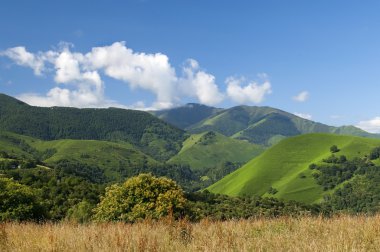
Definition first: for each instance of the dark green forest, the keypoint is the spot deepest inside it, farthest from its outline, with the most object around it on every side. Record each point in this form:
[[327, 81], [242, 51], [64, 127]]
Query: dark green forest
[[153, 136], [355, 183]]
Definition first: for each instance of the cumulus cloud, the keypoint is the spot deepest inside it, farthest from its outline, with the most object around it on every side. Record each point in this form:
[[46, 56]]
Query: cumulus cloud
[[252, 92], [304, 115], [64, 97], [151, 72], [78, 77], [24, 58], [372, 125], [301, 97], [198, 83]]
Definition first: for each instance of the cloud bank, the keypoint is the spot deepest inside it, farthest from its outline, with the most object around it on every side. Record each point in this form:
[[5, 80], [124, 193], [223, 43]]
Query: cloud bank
[[79, 83], [250, 93], [372, 125]]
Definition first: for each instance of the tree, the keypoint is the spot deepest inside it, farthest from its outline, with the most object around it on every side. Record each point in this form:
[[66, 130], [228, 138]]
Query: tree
[[144, 196], [334, 149], [18, 202], [81, 212], [375, 153]]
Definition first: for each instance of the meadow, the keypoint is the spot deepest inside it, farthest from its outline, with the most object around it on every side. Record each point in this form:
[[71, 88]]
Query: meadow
[[285, 167], [340, 233]]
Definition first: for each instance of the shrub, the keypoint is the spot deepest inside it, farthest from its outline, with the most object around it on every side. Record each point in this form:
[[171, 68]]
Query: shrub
[[141, 197], [334, 149], [18, 202]]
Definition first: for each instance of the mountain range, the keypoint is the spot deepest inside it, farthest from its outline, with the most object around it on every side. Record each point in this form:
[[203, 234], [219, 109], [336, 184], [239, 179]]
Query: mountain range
[[238, 151], [260, 125]]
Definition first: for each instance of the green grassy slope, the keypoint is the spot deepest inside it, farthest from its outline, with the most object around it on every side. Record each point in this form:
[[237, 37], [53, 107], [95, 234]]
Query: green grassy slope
[[14, 144], [208, 149], [109, 156], [285, 167], [233, 120]]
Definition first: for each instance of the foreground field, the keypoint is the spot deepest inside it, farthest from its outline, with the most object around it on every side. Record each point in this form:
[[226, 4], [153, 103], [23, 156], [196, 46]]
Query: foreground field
[[283, 234]]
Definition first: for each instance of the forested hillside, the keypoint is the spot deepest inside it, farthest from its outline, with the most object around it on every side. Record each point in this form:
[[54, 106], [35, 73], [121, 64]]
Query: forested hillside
[[149, 134]]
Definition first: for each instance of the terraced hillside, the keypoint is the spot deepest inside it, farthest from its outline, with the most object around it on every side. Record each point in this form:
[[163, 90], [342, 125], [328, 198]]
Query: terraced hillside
[[283, 171]]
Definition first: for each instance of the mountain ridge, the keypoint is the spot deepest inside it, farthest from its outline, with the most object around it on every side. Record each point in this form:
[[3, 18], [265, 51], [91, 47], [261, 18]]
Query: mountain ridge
[[259, 124]]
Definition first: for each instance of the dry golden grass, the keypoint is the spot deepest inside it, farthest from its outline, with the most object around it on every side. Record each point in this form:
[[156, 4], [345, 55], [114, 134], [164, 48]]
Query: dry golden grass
[[342, 233]]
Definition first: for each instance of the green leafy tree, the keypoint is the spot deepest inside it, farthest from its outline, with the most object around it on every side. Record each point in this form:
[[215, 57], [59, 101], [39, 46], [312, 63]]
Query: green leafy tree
[[81, 212], [334, 149], [144, 196], [375, 153], [18, 202]]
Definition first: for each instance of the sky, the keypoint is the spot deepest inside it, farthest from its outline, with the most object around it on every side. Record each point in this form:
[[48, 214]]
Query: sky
[[317, 59]]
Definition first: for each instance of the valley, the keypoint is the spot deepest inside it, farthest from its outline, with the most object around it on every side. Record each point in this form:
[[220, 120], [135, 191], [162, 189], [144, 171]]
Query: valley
[[258, 153]]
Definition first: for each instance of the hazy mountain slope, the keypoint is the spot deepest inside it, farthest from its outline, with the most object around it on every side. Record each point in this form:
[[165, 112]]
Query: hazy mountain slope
[[233, 120], [153, 136], [187, 115], [266, 126], [284, 167], [206, 150]]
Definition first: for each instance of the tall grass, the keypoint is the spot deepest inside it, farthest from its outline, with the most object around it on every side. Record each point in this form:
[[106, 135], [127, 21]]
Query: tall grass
[[344, 233]]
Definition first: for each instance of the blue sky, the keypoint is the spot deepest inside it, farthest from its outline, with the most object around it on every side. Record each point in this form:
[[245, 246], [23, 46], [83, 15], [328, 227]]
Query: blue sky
[[320, 59]]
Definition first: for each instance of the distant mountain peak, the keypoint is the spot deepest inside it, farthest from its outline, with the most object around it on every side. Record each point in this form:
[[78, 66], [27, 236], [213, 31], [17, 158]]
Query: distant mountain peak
[[257, 124]]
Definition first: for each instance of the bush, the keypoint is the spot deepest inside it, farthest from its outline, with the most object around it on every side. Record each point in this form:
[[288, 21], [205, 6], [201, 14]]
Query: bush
[[334, 149], [18, 202], [81, 212], [141, 197], [375, 153]]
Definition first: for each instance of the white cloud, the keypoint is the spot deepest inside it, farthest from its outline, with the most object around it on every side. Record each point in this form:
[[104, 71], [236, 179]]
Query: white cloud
[[372, 125], [151, 72], [252, 92], [79, 82], [301, 97], [81, 98], [200, 84], [304, 115], [86, 86], [68, 70], [23, 58]]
